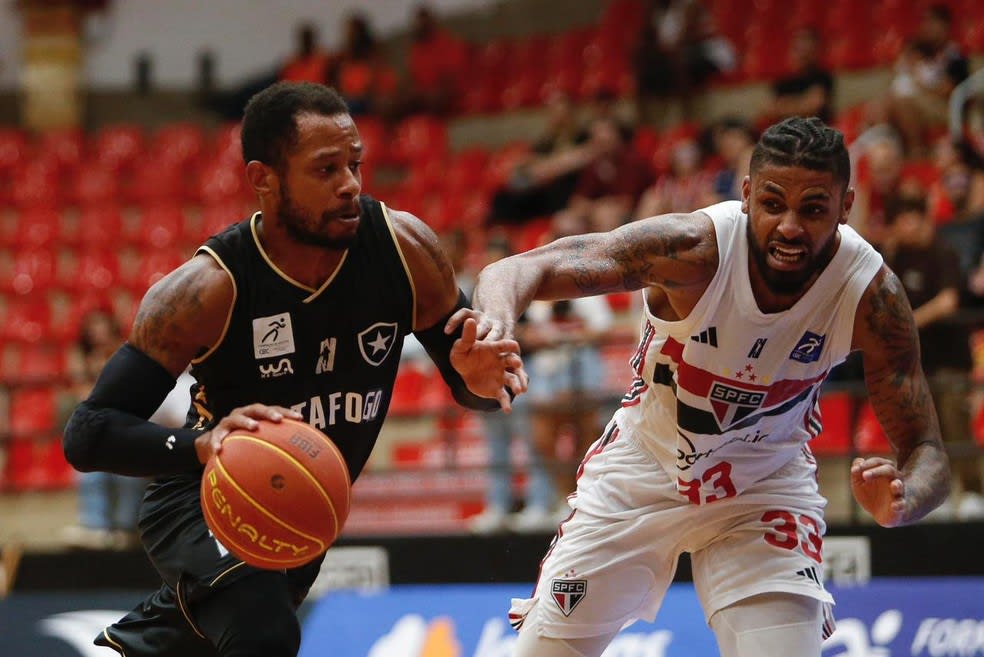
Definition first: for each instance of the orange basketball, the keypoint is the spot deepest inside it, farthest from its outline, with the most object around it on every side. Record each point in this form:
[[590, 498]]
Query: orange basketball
[[276, 497]]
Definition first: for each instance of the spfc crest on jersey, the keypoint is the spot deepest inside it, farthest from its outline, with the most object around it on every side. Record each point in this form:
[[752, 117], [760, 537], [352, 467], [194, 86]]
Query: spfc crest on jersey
[[568, 593], [732, 404], [376, 342]]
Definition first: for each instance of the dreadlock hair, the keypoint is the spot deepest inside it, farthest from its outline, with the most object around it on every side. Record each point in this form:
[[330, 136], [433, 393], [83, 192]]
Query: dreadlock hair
[[803, 142], [269, 129]]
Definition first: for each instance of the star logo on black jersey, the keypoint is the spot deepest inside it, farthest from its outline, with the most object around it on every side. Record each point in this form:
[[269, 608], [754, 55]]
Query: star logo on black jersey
[[376, 342]]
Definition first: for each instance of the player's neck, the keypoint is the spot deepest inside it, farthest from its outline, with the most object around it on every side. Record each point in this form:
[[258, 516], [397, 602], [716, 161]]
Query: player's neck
[[308, 264]]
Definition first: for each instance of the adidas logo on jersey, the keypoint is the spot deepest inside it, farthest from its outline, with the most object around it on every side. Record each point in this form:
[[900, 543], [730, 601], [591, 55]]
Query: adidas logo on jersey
[[708, 336], [810, 573]]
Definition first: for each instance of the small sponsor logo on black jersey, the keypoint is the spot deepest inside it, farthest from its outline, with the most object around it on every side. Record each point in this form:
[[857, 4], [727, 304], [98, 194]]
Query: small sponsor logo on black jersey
[[272, 336], [272, 371]]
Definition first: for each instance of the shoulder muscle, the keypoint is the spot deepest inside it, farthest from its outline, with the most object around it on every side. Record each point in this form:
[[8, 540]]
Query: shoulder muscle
[[184, 313], [429, 267]]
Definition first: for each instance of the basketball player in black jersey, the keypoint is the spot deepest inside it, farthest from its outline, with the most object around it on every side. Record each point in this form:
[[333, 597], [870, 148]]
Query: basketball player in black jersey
[[299, 311]]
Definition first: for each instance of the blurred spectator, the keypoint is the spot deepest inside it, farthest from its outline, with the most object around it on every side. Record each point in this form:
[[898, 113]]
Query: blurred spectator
[[309, 63], [686, 186], [359, 72], [958, 195], [679, 50], [879, 182], [733, 141], [930, 273], [108, 503], [500, 430], [543, 183], [956, 199], [609, 188], [437, 66], [809, 90], [926, 71], [566, 381]]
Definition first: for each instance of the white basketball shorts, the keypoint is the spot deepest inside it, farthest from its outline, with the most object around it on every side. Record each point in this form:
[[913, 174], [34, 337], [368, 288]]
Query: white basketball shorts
[[614, 558]]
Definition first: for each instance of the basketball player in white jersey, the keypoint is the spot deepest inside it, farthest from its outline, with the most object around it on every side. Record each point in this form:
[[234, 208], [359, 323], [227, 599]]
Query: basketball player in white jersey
[[748, 305]]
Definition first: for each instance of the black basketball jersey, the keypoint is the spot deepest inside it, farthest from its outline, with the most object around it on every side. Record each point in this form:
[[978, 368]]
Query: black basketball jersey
[[330, 353]]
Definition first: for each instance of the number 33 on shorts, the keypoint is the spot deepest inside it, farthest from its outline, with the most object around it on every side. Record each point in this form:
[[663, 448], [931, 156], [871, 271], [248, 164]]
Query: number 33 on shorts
[[789, 530]]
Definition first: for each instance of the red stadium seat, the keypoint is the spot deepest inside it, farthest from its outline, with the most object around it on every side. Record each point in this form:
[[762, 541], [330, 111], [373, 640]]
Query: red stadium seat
[[32, 363], [178, 145], [503, 161], [373, 133], [160, 226], [117, 147], [407, 391], [36, 464], [218, 181], [870, 438], [153, 182], [94, 186], [25, 321], [419, 138], [98, 271], [466, 171], [35, 227], [226, 143], [63, 148], [36, 185], [34, 272], [219, 216], [837, 416], [153, 267], [99, 227]]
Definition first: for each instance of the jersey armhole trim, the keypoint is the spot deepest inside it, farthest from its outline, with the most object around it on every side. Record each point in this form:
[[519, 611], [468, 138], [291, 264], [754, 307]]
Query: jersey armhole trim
[[406, 267], [232, 306]]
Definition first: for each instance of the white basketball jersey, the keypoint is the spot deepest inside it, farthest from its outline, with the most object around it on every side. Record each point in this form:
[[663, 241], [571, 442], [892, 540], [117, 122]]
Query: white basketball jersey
[[728, 395]]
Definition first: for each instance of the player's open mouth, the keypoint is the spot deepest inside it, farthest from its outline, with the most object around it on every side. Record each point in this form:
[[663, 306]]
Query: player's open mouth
[[788, 255]]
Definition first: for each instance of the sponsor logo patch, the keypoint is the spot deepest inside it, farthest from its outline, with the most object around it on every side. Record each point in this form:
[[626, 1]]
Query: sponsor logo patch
[[272, 371], [272, 336], [808, 349]]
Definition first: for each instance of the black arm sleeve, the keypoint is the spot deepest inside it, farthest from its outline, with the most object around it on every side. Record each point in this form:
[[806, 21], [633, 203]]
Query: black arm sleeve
[[438, 345], [109, 431]]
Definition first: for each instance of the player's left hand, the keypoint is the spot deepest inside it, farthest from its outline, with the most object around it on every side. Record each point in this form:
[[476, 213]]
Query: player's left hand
[[487, 366], [878, 487]]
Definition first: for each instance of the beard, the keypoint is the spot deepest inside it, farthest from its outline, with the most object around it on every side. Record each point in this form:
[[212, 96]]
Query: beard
[[787, 283], [303, 227]]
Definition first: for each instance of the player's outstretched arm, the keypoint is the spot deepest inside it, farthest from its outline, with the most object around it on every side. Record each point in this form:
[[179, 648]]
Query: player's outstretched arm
[[668, 251], [918, 481], [477, 369], [181, 317]]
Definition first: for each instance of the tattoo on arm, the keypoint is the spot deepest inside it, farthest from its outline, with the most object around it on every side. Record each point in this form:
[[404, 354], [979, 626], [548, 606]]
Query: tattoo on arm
[[630, 257], [900, 394]]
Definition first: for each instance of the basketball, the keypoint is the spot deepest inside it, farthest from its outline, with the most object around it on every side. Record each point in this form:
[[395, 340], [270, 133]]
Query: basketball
[[276, 497]]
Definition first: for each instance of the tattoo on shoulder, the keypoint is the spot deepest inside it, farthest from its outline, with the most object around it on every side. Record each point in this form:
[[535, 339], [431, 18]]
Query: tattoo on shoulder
[[170, 308]]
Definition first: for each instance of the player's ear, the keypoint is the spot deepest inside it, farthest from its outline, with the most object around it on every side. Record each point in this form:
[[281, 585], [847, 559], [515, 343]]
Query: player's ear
[[746, 193], [848, 204], [262, 178]]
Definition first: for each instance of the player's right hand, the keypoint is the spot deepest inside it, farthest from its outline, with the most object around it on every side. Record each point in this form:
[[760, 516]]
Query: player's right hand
[[243, 418]]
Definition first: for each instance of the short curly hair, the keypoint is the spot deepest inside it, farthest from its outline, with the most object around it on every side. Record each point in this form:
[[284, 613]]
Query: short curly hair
[[269, 129], [803, 142]]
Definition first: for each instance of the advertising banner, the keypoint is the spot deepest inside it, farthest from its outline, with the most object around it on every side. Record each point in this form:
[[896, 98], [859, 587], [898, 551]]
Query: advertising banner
[[931, 617]]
